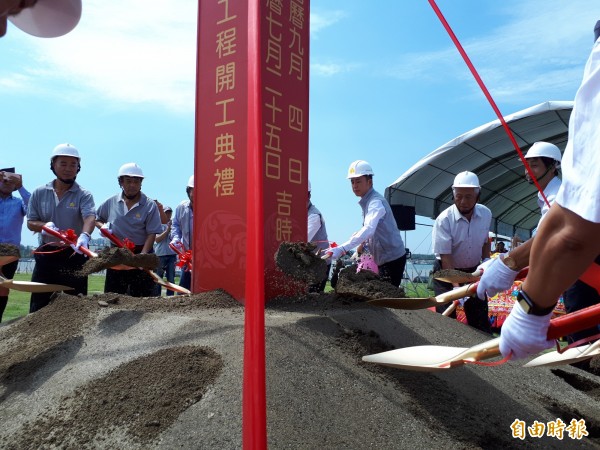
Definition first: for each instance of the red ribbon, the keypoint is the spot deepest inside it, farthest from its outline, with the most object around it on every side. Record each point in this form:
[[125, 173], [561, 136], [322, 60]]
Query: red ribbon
[[185, 259]]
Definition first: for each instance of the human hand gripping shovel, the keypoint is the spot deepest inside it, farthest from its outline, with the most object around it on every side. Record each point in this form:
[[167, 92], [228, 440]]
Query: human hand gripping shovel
[[429, 358], [28, 286], [185, 257], [158, 280]]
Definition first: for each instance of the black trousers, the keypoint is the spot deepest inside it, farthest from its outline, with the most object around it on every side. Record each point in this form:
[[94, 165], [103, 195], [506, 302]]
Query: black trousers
[[63, 266], [8, 271], [393, 271], [134, 282], [476, 310]]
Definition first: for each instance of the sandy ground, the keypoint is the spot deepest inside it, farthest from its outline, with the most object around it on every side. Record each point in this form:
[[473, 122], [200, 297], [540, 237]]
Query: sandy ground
[[167, 373]]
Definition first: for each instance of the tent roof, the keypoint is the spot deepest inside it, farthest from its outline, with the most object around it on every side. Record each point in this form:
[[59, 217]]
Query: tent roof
[[488, 152]]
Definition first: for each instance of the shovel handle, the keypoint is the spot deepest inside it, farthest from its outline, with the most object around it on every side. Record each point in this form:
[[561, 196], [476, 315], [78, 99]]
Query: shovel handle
[[573, 322], [111, 237], [464, 291], [63, 237], [158, 280]]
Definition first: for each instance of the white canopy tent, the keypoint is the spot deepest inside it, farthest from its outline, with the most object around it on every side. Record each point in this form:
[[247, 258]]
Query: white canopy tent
[[488, 152]]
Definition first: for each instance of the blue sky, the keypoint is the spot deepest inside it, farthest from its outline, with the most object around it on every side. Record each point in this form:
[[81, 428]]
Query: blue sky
[[386, 85]]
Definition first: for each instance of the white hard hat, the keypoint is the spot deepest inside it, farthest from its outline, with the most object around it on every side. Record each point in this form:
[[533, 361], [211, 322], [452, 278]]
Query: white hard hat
[[309, 189], [466, 179], [49, 18], [359, 168], [191, 182], [65, 150], [544, 149], [131, 170]]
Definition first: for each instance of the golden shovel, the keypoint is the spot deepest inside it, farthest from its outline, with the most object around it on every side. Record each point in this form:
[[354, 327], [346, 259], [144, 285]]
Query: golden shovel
[[425, 302], [4, 260], [569, 356], [31, 286], [431, 358]]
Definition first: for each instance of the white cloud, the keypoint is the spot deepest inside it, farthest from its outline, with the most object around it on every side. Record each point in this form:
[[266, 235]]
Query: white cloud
[[129, 51], [322, 20], [513, 59]]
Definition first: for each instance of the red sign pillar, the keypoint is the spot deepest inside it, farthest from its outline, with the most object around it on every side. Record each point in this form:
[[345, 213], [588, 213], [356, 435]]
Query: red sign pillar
[[224, 114]]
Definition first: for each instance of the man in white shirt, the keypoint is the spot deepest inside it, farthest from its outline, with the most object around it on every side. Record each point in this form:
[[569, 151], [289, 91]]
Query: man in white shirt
[[461, 241]]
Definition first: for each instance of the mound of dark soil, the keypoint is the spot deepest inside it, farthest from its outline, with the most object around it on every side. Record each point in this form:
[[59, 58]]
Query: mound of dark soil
[[300, 261], [9, 250], [114, 256], [365, 284]]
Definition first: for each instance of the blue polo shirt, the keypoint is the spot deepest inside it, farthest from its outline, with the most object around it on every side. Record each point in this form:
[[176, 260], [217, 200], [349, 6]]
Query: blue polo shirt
[[12, 212]]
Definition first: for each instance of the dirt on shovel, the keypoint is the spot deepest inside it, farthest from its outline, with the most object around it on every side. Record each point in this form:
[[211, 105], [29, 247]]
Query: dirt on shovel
[[9, 250], [458, 276], [114, 256], [300, 261], [365, 285]]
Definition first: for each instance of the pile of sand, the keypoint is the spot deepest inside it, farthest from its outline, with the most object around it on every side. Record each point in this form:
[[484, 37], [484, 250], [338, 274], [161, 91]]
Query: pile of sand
[[148, 373]]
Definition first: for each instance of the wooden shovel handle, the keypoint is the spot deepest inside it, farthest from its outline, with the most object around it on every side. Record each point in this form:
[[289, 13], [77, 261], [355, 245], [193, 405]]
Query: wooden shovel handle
[[464, 291], [63, 237]]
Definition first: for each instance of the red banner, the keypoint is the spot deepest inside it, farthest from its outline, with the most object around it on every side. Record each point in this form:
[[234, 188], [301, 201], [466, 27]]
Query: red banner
[[219, 242]]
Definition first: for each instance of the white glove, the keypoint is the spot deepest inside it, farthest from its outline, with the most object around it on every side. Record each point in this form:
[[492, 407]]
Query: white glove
[[82, 241], [106, 227], [333, 252], [484, 265], [524, 334], [496, 278], [51, 226], [176, 242]]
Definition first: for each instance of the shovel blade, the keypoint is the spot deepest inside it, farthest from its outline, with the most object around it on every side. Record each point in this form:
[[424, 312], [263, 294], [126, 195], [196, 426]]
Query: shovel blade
[[7, 260], [570, 356], [424, 358], [32, 286], [404, 303]]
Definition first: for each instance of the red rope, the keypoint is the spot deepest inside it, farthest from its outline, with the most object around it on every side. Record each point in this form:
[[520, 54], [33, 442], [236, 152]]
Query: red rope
[[487, 94]]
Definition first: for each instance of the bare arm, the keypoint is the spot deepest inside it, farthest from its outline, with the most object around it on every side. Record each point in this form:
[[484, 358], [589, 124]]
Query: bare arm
[[149, 243], [565, 245], [165, 234]]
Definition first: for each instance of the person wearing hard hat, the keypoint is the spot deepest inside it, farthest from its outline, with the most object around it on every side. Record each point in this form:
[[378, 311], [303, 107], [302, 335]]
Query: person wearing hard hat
[[12, 212], [42, 18], [566, 245], [460, 241], [379, 233], [317, 234], [183, 225], [166, 255], [63, 205], [130, 215], [499, 273]]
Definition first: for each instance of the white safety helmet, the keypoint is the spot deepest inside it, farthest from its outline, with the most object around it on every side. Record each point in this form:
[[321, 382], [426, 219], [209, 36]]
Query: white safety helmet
[[466, 179], [65, 150], [49, 18], [131, 170], [359, 168], [545, 150], [191, 182]]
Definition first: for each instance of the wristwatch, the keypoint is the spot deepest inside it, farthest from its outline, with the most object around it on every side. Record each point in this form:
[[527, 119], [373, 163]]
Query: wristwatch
[[531, 308], [509, 262]]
